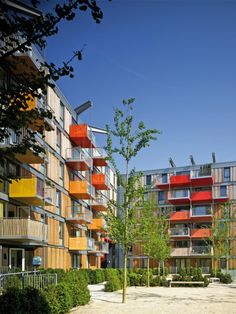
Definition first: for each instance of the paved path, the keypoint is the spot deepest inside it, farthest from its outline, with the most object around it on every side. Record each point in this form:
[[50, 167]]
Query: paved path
[[215, 299]]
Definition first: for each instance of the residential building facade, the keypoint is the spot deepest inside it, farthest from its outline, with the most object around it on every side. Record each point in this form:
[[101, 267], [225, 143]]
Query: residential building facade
[[192, 197], [54, 209]]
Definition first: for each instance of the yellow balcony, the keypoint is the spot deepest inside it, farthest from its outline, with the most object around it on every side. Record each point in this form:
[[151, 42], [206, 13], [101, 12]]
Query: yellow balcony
[[98, 224], [31, 191], [23, 229]]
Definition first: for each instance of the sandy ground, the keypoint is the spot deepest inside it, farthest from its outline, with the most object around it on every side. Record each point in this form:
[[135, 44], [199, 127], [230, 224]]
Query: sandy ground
[[216, 298]]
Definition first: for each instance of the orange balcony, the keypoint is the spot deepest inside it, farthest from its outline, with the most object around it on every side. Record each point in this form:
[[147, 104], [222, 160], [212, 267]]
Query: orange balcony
[[99, 204], [180, 216], [78, 160], [201, 197], [98, 224], [179, 197], [81, 244], [99, 157], [40, 104], [82, 135], [180, 180], [200, 233], [100, 181], [81, 189], [79, 215], [201, 178]]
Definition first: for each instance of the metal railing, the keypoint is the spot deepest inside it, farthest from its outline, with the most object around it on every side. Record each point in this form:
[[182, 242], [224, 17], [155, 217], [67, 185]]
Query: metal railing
[[179, 194], [201, 211], [80, 213], [179, 231], [27, 279], [76, 154], [205, 172], [200, 250]]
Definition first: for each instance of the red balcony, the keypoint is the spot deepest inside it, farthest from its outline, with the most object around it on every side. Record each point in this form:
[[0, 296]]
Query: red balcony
[[179, 197], [201, 197], [180, 216], [200, 233], [99, 157], [201, 177], [100, 181], [179, 180], [82, 136]]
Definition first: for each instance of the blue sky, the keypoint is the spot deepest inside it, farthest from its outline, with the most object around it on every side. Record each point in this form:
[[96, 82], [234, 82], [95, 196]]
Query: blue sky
[[177, 58]]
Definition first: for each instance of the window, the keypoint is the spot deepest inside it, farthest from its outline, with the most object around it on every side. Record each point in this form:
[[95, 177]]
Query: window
[[179, 244], [148, 180], [61, 174], [58, 142], [223, 190], [164, 177], [160, 196], [227, 174], [58, 202], [61, 233], [62, 114]]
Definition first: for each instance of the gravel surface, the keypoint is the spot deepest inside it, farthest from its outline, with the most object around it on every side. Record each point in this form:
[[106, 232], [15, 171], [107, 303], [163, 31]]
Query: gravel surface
[[216, 298]]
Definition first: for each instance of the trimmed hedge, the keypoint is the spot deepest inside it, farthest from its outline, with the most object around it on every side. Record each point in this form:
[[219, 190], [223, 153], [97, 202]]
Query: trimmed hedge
[[113, 280], [71, 291]]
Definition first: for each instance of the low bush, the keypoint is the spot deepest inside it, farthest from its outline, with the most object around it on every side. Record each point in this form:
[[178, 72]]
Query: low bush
[[206, 281], [225, 278], [155, 281], [13, 281], [21, 301], [113, 281], [134, 279]]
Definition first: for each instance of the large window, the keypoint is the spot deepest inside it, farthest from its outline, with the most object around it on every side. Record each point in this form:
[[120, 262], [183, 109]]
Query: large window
[[227, 174], [161, 196], [58, 202], [223, 190], [58, 142], [148, 180], [61, 174], [61, 233], [62, 114]]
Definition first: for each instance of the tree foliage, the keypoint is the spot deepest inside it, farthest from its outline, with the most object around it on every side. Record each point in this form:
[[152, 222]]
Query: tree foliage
[[23, 81], [130, 141]]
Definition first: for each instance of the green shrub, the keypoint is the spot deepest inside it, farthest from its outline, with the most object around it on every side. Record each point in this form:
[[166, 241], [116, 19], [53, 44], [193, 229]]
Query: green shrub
[[134, 279], [144, 278], [13, 281], [206, 281], [77, 283], [164, 282], [176, 278], [156, 281], [225, 278], [113, 280], [34, 301], [59, 298], [11, 301]]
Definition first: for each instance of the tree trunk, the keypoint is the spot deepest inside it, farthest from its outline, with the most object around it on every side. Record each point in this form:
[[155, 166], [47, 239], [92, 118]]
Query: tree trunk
[[159, 268], [148, 272], [163, 267], [124, 276]]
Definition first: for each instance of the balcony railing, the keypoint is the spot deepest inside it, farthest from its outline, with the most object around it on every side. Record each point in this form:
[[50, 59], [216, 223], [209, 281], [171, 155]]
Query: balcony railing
[[78, 159], [201, 211], [180, 251], [102, 247], [200, 250], [91, 245], [99, 157], [99, 204], [179, 232], [23, 229], [179, 194], [79, 214], [82, 135]]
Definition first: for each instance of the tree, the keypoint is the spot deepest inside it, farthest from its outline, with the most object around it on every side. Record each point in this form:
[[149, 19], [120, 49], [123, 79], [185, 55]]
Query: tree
[[130, 142], [21, 82], [220, 235]]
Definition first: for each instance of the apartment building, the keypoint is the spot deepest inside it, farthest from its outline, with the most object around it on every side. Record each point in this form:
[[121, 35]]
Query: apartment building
[[54, 209], [191, 196]]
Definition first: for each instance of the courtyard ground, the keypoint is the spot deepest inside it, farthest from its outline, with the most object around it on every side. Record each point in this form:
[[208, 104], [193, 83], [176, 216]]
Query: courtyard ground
[[216, 298]]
